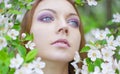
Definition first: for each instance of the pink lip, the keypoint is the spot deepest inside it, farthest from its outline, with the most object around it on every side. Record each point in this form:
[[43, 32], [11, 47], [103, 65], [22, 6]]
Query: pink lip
[[62, 43]]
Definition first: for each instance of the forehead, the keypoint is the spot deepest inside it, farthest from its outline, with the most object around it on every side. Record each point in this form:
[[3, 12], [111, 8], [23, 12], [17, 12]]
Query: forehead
[[60, 6]]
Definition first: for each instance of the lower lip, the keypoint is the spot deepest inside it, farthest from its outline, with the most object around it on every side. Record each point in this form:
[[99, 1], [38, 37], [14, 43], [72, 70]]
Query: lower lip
[[60, 45]]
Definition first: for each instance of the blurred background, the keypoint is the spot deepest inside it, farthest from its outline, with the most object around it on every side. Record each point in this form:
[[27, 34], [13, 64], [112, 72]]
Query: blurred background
[[98, 16]]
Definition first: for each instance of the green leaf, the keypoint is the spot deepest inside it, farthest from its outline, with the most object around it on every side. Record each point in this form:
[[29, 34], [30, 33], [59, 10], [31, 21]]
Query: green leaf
[[14, 12], [29, 7], [117, 55], [117, 71], [31, 55], [88, 60], [98, 62], [29, 37], [16, 25], [11, 71], [8, 38], [11, 54], [79, 2], [5, 69], [91, 67], [85, 49], [110, 22], [101, 42], [3, 56], [22, 50]]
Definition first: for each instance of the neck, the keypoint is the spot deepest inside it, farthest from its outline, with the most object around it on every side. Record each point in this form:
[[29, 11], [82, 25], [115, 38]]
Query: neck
[[55, 68]]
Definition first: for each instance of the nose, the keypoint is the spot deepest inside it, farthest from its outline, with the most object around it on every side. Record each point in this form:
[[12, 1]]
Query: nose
[[63, 28]]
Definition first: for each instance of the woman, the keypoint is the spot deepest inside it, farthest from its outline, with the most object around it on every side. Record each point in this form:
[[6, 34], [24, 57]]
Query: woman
[[57, 33]]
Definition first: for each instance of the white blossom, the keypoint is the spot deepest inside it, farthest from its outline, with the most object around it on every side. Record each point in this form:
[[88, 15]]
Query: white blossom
[[38, 65], [92, 2], [6, 4], [96, 71], [84, 69], [77, 57], [89, 37], [74, 63], [100, 34], [93, 54], [3, 29], [107, 54], [96, 46], [13, 34], [23, 35], [107, 68], [23, 70], [84, 62], [10, 24], [116, 64], [77, 69], [30, 45], [20, 16], [3, 20], [111, 42], [116, 18], [3, 42], [16, 62]]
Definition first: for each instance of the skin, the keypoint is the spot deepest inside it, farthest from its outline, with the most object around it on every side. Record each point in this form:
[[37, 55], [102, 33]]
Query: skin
[[55, 20]]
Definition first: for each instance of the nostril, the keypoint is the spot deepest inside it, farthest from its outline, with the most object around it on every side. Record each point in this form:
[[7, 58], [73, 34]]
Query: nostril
[[66, 31], [60, 30], [63, 30]]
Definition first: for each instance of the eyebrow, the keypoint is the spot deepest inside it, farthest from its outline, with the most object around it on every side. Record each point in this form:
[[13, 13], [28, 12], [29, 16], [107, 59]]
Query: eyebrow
[[70, 14], [48, 10]]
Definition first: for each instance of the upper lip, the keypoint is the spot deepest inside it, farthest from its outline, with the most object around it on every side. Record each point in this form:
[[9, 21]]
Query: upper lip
[[62, 41]]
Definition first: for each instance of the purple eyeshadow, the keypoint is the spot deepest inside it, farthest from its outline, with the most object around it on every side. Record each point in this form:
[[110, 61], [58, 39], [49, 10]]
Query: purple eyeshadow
[[46, 17], [74, 22]]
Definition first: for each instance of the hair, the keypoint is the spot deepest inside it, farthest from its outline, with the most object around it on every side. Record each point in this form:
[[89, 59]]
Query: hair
[[27, 22]]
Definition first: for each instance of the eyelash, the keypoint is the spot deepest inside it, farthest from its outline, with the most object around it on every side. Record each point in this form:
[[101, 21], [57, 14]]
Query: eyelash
[[73, 22], [50, 18], [46, 19]]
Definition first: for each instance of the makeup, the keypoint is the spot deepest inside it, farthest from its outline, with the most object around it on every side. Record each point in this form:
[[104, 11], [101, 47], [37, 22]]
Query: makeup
[[45, 17], [73, 22]]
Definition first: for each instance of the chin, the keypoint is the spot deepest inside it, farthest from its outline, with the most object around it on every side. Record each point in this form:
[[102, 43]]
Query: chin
[[62, 58], [57, 57]]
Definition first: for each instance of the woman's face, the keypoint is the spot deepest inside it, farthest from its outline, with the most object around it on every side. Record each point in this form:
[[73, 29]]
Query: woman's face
[[55, 27]]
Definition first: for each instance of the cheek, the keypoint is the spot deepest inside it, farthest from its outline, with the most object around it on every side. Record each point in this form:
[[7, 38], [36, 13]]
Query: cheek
[[76, 39]]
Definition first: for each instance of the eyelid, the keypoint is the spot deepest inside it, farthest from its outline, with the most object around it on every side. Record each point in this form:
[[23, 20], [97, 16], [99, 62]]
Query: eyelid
[[73, 16], [45, 15], [75, 20], [49, 11]]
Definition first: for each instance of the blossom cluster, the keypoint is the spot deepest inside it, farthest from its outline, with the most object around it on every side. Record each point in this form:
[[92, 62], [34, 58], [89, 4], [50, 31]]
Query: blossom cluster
[[14, 55], [103, 50], [89, 2], [34, 67], [103, 54]]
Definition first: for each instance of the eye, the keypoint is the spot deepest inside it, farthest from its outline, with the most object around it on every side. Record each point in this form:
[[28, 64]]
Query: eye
[[46, 18], [73, 22]]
